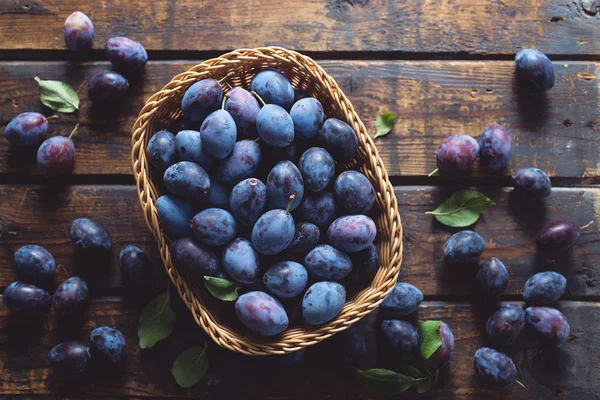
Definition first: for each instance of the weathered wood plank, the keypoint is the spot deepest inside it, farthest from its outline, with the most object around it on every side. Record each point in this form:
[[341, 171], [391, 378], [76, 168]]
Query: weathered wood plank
[[455, 26], [569, 372], [432, 100], [29, 214]]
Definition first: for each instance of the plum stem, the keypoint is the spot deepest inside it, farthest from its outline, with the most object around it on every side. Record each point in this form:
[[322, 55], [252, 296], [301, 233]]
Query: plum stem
[[223, 102], [73, 131], [224, 79], [433, 172], [437, 374], [80, 87], [259, 98], [289, 206], [257, 139], [587, 225], [520, 384], [50, 118]]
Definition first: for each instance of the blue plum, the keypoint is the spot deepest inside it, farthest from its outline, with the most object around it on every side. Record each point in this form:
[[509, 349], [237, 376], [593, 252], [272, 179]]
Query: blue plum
[[261, 313], [244, 108], [248, 201], [403, 300], [25, 298], [544, 288], [241, 163], [318, 208], [505, 325], [463, 247], [533, 182], [354, 192], [34, 263], [305, 239], [317, 168], [308, 116], [442, 356], [365, 264], [194, 259], [534, 70], [495, 147], [273, 232], [492, 278], [325, 262], [339, 139], [107, 87], [402, 338], [201, 99], [550, 325], [290, 358], [352, 232], [275, 126], [187, 180], [107, 345], [162, 150], [286, 279], [214, 227], [494, 368], [125, 54], [218, 195], [27, 129], [322, 302], [69, 358], [188, 144], [136, 269], [240, 261], [457, 153], [71, 298], [273, 87], [558, 236], [175, 215], [78, 31], [56, 157], [218, 134], [283, 181], [89, 235]]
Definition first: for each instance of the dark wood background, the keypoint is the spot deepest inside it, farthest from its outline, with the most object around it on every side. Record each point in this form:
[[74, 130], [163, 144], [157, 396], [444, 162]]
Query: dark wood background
[[443, 67]]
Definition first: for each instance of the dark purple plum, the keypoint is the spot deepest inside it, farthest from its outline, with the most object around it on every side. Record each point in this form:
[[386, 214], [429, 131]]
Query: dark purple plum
[[317, 168], [558, 236], [240, 261], [325, 262], [89, 235], [241, 163], [214, 227], [136, 269], [107, 345], [286, 279], [188, 144], [457, 153], [283, 181], [194, 259], [534, 70], [78, 31], [244, 108], [354, 192], [71, 298], [34, 263], [365, 264], [494, 368], [275, 126], [442, 356], [550, 325], [319, 208], [533, 182], [69, 358], [24, 298], [125, 54], [275, 154], [218, 194], [175, 215], [273, 87], [162, 150], [354, 345], [463, 247], [290, 358], [492, 278], [248, 201], [201, 99], [27, 129], [495, 147], [505, 325], [107, 87], [56, 157], [261, 313], [308, 117], [544, 288], [187, 180], [339, 139], [403, 300], [402, 338], [352, 233], [305, 239], [273, 232], [322, 302], [218, 134]]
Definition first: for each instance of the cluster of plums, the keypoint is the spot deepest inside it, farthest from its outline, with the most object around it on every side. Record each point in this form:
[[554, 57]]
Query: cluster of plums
[[251, 200], [35, 268]]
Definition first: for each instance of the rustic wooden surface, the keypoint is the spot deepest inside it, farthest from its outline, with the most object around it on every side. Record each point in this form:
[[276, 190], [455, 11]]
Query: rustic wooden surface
[[442, 67]]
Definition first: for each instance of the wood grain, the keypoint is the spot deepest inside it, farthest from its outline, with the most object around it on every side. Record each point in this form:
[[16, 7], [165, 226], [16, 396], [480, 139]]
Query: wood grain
[[34, 214], [432, 99], [454, 26], [569, 372]]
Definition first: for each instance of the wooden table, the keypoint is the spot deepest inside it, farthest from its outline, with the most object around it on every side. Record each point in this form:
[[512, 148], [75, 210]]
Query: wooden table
[[442, 67]]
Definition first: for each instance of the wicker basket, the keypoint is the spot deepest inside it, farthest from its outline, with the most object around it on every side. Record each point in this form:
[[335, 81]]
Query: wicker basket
[[163, 108]]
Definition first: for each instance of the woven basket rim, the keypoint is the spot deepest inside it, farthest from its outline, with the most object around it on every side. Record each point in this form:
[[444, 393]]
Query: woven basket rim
[[365, 301]]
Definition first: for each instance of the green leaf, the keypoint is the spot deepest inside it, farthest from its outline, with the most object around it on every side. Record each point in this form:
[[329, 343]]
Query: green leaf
[[190, 366], [462, 209], [423, 386], [156, 321], [221, 288], [429, 337], [58, 96], [386, 381], [384, 124]]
